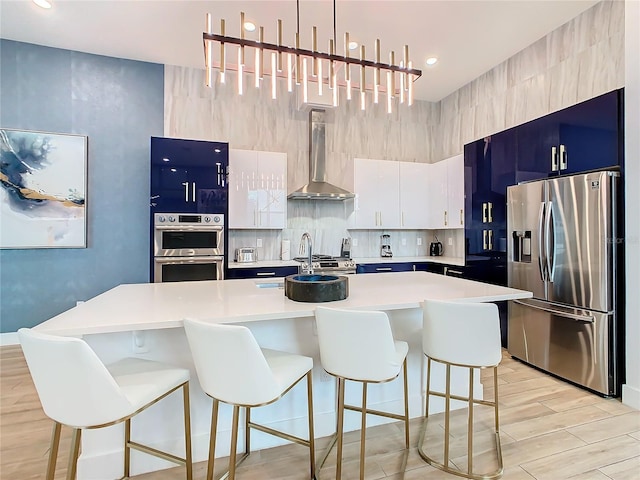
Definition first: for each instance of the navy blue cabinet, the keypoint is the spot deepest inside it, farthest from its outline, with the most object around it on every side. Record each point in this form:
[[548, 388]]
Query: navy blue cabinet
[[262, 272], [392, 267], [188, 176], [490, 166], [586, 136]]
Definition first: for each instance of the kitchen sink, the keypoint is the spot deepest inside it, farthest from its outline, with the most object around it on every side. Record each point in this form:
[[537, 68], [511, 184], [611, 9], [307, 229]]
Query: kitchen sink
[[316, 288]]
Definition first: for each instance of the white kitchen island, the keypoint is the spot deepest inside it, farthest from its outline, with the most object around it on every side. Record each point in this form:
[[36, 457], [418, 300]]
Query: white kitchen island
[[145, 320]]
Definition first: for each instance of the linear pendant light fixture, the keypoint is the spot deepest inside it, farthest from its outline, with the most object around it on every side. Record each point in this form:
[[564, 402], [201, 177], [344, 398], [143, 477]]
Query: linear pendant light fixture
[[303, 66]]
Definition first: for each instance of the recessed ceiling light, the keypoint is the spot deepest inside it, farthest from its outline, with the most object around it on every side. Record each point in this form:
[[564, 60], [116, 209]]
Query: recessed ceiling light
[[42, 3], [353, 45], [249, 26], [432, 60]]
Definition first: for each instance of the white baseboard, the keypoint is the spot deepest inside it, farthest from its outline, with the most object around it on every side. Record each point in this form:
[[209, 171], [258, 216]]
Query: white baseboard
[[9, 338], [631, 396]]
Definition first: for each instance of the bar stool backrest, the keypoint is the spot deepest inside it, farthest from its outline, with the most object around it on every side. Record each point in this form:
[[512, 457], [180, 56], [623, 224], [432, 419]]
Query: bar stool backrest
[[462, 333], [356, 344], [230, 364], [74, 386]]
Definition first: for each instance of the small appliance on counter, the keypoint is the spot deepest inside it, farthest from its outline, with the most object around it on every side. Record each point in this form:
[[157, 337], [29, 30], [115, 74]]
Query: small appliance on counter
[[345, 248], [246, 255], [385, 247], [435, 248]]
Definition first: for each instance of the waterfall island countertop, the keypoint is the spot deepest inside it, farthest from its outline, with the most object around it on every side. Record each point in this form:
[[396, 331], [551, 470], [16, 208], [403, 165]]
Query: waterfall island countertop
[[151, 306]]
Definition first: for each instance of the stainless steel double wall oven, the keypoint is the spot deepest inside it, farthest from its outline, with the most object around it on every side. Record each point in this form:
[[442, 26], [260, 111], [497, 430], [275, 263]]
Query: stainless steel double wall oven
[[188, 247]]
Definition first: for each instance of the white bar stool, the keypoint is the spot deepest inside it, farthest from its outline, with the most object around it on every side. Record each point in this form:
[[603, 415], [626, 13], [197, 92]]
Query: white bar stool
[[76, 389], [463, 335], [359, 346], [233, 369]]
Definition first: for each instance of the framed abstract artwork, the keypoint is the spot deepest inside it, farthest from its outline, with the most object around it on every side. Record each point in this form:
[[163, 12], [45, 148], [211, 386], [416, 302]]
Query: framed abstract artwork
[[43, 188]]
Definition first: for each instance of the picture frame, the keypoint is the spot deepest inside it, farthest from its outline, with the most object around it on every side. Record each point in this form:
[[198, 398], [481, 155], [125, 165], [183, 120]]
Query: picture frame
[[43, 189]]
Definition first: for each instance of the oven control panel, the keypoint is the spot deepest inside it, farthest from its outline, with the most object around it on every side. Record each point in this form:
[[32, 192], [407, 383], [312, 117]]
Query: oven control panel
[[186, 219]]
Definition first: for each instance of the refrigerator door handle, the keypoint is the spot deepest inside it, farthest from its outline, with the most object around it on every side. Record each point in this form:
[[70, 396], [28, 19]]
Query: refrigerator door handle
[[541, 215], [549, 243], [572, 316]]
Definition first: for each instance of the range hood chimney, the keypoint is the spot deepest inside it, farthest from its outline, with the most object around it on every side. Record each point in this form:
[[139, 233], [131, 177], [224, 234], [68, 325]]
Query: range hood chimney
[[318, 188]]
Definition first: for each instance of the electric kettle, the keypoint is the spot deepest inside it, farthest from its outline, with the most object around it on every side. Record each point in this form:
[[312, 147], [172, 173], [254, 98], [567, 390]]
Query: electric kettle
[[435, 249]]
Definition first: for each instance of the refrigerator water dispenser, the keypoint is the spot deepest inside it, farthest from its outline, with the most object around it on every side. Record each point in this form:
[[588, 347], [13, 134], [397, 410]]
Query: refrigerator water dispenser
[[522, 246]]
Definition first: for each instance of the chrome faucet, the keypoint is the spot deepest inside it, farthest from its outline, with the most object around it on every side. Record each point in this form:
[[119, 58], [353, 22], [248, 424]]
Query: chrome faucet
[[307, 237]]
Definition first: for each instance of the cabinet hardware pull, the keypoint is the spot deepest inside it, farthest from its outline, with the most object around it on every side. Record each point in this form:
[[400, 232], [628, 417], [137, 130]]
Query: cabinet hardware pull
[[402, 219], [563, 157], [484, 212], [385, 269], [461, 217], [193, 191], [265, 274], [484, 239], [490, 209], [490, 239], [455, 272], [186, 191], [554, 159], [445, 218]]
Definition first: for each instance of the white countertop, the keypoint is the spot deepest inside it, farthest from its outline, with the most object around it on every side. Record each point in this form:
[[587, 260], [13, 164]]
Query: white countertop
[[149, 306], [358, 260]]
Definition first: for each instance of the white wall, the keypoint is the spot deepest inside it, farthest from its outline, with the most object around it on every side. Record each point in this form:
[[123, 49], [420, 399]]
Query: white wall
[[631, 390]]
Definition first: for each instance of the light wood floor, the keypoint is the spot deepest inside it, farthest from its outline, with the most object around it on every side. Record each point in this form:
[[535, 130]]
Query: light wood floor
[[549, 430]]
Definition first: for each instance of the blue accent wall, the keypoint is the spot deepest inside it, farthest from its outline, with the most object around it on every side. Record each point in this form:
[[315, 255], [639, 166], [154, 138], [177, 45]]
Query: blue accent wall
[[119, 105]]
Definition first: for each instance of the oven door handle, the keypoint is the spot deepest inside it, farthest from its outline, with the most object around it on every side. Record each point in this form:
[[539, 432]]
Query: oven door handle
[[177, 260], [200, 228]]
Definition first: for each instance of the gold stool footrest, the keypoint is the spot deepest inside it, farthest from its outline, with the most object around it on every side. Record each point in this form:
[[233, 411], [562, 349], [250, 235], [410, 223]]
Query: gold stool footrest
[[475, 476]]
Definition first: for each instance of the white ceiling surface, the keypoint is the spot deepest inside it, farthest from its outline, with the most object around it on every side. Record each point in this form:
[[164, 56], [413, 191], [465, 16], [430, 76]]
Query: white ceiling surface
[[469, 37]]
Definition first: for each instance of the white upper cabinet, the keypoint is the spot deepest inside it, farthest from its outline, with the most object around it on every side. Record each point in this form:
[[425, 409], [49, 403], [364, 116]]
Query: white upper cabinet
[[414, 195], [257, 189], [446, 193], [377, 189], [455, 191]]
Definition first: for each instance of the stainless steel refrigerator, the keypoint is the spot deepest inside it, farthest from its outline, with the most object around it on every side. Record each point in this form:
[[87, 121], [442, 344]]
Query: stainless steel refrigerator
[[562, 247]]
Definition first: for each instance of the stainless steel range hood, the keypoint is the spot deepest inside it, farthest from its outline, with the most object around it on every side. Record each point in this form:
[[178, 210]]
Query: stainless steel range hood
[[318, 188]]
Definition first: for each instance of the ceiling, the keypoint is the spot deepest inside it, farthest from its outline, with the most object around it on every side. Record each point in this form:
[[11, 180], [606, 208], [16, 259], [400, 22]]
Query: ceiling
[[469, 37]]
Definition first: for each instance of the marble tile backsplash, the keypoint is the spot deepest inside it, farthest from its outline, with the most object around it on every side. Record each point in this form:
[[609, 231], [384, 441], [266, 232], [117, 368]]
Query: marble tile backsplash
[[327, 240], [579, 60]]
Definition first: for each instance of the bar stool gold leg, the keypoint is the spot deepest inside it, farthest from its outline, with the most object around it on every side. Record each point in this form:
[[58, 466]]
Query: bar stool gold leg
[[73, 455], [234, 442], [53, 451], [406, 406], [212, 439], [341, 382], [312, 444], [127, 448], [187, 431], [363, 428], [247, 431]]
